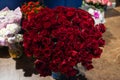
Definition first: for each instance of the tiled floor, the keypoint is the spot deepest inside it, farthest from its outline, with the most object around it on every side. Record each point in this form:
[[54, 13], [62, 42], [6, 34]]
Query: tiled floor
[[105, 68]]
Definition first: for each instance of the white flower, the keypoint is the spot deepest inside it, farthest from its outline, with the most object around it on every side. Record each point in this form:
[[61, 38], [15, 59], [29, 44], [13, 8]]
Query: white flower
[[3, 14], [14, 16], [3, 41], [99, 17], [13, 28], [91, 11], [16, 38], [10, 26], [8, 16], [19, 37], [11, 40], [3, 32]]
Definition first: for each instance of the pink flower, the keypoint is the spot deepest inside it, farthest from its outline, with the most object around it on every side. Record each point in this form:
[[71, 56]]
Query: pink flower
[[94, 1], [96, 14], [87, 1], [109, 3], [101, 2], [104, 2]]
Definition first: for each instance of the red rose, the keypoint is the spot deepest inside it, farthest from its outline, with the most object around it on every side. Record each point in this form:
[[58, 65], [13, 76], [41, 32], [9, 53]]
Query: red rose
[[46, 52], [42, 67], [101, 42], [76, 20], [101, 27], [83, 14], [89, 67], [98, 35], [97, 53], [61, 18], [46, 25], [36, 52], [54, 64], [72, 72], [70, 13]]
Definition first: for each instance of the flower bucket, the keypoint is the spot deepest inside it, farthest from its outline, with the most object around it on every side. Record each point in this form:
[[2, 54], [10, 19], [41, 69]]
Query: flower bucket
[[67, 3], [56, 75], [59, 76], [11, 4]]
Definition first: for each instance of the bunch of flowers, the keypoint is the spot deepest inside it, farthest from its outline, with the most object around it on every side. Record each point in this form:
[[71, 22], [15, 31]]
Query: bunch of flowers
[[100, 4], [61, 38], [96, 8], [10, 26], [30, 7]]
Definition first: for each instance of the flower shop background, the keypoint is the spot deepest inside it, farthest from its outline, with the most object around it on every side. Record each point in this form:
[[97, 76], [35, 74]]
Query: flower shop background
[[107, 67]]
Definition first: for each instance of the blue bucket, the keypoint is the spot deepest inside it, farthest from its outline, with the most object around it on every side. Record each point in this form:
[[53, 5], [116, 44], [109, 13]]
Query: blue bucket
[[67, 3], [56, 75], [11, 4], [59, 76]]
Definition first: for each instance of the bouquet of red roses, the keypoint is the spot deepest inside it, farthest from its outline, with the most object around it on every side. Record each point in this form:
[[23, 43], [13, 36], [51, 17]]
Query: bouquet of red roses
[[61, 38]]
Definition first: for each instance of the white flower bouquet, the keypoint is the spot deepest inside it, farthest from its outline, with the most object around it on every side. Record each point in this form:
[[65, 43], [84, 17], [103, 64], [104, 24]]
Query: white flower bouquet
[[9, 25], [9, 31]]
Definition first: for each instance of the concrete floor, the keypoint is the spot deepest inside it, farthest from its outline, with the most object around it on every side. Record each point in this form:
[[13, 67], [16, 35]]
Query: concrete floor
[[105, 68], [108, 66]]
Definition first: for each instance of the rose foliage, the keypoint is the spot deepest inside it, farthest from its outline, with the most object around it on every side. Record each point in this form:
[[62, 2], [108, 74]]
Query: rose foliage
[[60, 38]]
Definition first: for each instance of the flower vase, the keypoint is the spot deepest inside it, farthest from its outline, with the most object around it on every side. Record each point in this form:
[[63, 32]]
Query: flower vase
[[11, 4], [15, 50], [67, 3]]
